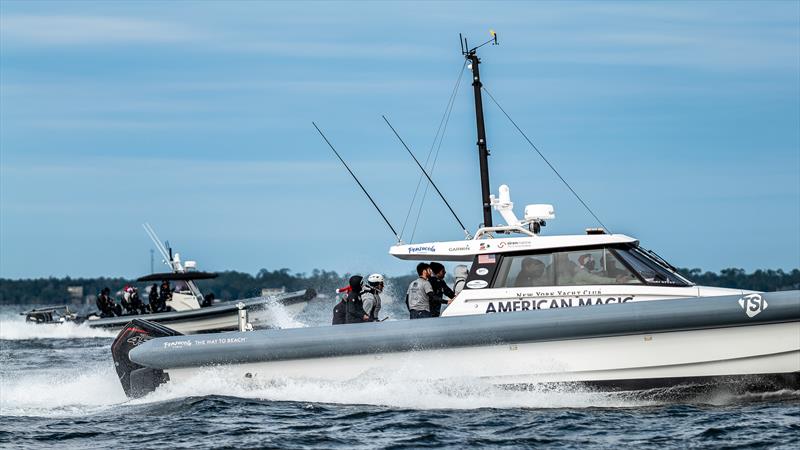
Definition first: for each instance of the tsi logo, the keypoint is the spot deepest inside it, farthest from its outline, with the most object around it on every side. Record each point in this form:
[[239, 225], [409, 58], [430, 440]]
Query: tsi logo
[[753, 304]]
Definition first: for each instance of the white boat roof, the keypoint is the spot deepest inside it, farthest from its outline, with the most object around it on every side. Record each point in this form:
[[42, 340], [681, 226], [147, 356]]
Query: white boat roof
[[467, 249]]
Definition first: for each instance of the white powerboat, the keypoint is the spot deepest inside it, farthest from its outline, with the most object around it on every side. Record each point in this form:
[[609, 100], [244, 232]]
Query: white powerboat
[[594, 309], [185, 308]]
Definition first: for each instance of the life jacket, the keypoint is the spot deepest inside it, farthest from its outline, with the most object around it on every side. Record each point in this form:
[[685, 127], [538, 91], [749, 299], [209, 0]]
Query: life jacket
[[372, 296], [460, 274]]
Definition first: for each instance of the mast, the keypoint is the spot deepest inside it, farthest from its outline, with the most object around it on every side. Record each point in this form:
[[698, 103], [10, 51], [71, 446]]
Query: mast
[[483, 150]]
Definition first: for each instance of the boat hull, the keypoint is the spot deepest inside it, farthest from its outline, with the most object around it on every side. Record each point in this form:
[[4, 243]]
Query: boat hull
[[652, 359], [223, 317], [653, 343]]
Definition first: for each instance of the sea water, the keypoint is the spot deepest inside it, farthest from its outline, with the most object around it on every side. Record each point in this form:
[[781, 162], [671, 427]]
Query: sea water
[[58, 388]]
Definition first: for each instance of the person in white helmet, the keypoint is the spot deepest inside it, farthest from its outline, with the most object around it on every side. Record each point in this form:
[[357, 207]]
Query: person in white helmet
[[371, 296]]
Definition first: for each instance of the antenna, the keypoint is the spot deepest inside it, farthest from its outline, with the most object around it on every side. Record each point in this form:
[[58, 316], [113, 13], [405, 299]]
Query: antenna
[[465, 50], [359, 183], [483, 151], [157, 242], [429, 177]]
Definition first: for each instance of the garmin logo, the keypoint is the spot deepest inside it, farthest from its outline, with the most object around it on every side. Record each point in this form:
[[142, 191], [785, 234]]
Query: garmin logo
[[422, 249], [753, 304], [459, 249]]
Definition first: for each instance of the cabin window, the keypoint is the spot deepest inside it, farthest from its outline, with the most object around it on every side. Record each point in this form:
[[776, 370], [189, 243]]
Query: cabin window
[[525, 271], [650, 271], [583, 267], [596, 266]]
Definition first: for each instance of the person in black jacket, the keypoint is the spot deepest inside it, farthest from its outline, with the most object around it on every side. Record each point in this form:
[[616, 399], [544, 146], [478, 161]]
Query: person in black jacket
[[440, 289], [339, 312], [152, 298], [137, 306], [105, 304], [354, 307]]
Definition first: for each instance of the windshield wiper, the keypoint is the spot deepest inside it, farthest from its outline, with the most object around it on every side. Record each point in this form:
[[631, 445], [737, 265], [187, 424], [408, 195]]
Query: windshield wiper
[[661, 260]]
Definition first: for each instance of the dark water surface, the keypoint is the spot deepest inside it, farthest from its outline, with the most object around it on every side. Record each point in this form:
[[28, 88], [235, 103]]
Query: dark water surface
[[58, 389]]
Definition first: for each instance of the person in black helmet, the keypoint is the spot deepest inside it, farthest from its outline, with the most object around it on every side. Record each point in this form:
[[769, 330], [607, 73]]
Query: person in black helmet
[[354, 306], [440, 289]]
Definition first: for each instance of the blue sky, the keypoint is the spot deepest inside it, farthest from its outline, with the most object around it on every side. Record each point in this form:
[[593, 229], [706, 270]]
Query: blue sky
[[678, 122]]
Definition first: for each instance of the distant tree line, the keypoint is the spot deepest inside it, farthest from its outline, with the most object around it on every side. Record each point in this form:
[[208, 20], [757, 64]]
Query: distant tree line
[[235, 285], [761, 280]]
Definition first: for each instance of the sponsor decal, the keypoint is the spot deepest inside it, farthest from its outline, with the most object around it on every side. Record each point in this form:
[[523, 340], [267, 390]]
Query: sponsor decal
[[482, 271], [177, 344], [458, 249], [484, 246], [137, 340], [422, 249], [486, 259], [753, 304], [477, 284], [548, 303], [217, 341], [514, 244], [561, 293]]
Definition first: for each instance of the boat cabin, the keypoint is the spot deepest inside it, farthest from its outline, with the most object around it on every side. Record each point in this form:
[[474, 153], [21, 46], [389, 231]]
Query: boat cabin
[[550, 261], [515, 268]]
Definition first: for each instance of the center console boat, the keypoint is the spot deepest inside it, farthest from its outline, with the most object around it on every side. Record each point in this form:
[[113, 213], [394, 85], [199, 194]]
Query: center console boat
[[593, 309]]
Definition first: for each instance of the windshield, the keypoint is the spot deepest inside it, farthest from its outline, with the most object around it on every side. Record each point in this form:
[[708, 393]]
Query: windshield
[[573, 268], [649, 269]]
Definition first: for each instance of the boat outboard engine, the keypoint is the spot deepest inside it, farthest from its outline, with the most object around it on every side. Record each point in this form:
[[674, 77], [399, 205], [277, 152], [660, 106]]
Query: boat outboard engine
[[138, 381]]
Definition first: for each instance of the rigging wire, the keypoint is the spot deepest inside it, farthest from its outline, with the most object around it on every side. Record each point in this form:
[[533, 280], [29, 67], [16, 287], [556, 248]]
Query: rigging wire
[[428, 177], [436, 157], [442, 123], [359, 183], [546, 161]]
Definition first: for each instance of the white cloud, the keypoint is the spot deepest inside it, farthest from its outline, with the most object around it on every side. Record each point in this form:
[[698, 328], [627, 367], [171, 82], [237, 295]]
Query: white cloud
[[89, 30]]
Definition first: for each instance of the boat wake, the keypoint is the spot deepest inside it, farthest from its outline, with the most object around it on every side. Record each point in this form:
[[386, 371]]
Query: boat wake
[[17, 329], [276, 315], [94, 389], [55, 392]]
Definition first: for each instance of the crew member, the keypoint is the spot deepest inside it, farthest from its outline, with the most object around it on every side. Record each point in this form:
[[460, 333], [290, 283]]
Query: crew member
[[152, 298], [440, 289], [460, 273], [531, 273], [340, 309], [354, 307], [208, 300], [586, 275], [420, 294], [371, 296], [339, 312], [137, 306], [126, 299], [164, 295], [104, 303]]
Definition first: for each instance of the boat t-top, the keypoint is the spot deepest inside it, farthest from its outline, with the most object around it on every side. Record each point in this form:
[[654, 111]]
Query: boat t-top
[[593, 309]]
